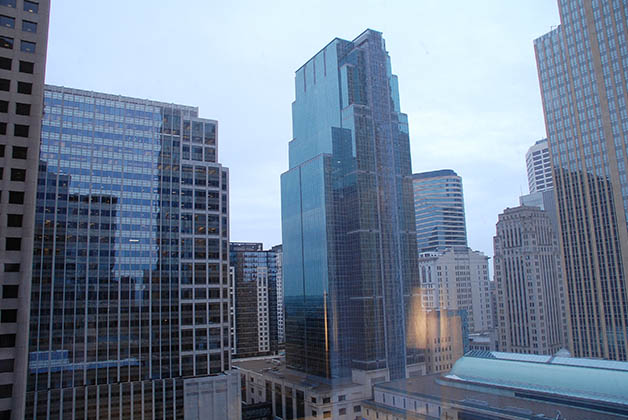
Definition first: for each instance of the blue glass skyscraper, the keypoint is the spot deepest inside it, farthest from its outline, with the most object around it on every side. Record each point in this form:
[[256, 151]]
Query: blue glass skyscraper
[[347, 215], [130, 292]]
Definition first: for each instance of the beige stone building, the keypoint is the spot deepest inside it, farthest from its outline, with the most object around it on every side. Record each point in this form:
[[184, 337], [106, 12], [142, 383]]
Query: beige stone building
[[23, 45]]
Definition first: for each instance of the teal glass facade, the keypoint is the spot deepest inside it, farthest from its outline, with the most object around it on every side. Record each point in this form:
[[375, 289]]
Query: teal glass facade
[[347, 215]]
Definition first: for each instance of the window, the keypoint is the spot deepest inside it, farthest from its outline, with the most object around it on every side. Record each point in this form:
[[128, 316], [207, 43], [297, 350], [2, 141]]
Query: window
[[26, 66], [326, 414], [9, 291], [31, 6], [5, 63], [8, 3], [1, 150], [342, 411], [356, 409], [8, 316], [6, 42], [22, 109], [12, 268], [28, 26], [20, 152], [6, 391], [341, 397], [25, 88], [5, 84], [4, 106], [14, 220], [7, 21], [3, 128], [18, 175], [20, 130], [7, 340], [16, 197], [6, 365], [27, 46], [13, 244]]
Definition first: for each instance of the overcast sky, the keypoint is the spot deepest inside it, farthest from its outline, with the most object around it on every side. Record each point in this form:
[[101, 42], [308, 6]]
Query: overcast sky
[[467, 80]]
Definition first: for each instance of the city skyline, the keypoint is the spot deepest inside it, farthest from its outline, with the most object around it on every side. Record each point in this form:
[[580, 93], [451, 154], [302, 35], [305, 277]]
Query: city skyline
[[480, 110]]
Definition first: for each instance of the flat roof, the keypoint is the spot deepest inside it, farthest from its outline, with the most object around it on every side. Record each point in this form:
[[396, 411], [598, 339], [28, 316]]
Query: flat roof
[[446, 389], [275, 367]]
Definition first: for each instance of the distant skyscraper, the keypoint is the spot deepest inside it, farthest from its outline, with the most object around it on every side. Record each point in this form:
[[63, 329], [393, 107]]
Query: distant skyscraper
[[281, 331], [439, 210], [23, 46], [528, 281], [255, 299], [582, 66], [458, 279], [539, 167], [349, 243], [130, 303]]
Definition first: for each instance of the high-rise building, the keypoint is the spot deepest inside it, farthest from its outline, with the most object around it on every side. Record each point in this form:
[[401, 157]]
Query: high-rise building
[[458, 279], [281, 334], [439, 210], [529, 284], [130, 294], [539, 167], [255, 299], [349, 242], [582, 67], [23, 46]]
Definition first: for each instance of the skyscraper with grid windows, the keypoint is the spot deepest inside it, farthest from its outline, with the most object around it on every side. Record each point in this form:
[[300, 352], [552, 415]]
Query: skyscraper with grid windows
[[349, 244], [130, 292], [583, 73], [23, 47], [439, 211]]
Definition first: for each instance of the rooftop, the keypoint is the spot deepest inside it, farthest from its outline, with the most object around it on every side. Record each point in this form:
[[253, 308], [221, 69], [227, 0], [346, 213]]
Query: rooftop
[[275, 366], [434, 174]]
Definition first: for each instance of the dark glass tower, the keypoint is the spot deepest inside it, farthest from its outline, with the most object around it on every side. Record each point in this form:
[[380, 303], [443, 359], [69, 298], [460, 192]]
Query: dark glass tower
[[583, 69], [255, 299], [349, 239], [130, 285]]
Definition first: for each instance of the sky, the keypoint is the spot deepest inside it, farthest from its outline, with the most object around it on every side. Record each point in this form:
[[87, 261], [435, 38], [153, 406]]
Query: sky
[[467, 80]]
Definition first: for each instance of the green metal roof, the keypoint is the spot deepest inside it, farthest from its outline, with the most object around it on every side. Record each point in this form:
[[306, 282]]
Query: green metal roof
[[580, 378]]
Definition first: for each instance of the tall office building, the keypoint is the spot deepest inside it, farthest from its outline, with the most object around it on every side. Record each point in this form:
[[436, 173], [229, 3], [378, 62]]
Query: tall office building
[[23, 46], [255, 299], [281, 334], [130, 302], [349, 242], [529, 284], [458, 279], [439, 210], [539, 167], [582, 66]]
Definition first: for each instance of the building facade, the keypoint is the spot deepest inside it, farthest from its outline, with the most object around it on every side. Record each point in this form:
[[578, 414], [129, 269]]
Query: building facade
[[281, 329], [582, 66], [255, 299], [539, 167], [528, 279], [23, 46], [458, 279], [443, 333], [439, 211], [349, 242], [130, 293]]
